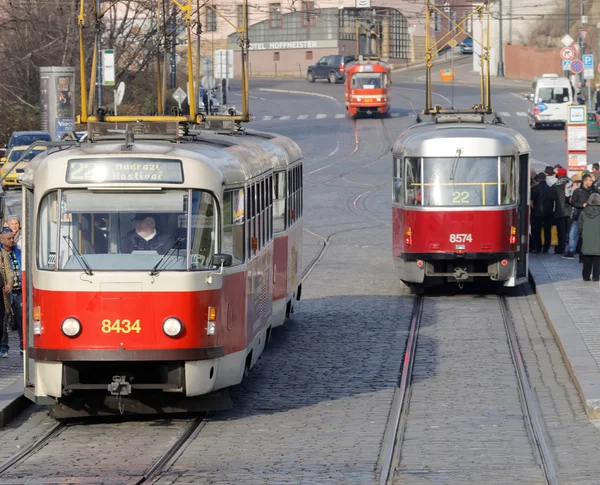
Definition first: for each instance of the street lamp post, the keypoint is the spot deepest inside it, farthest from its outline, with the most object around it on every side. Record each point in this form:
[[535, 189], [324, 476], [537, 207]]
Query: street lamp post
[[500, 72]]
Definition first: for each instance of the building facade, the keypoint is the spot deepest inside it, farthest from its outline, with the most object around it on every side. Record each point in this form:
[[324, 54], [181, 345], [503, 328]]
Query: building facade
[[288, 37]]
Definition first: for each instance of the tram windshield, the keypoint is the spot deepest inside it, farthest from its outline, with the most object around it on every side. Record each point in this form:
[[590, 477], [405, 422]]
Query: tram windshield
[[82, 229], [460, 181], [369, 80]]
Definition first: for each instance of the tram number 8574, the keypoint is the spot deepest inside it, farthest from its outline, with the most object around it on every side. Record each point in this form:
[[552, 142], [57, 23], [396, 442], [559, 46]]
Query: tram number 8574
[[460, 238]]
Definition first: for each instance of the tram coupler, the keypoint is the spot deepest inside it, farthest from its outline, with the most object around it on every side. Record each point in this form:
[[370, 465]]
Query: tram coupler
[[119, 386], [460, 274]]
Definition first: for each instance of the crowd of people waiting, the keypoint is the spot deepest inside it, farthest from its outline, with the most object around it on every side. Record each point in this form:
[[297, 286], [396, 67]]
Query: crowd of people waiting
[[573, 206], [10, 283]]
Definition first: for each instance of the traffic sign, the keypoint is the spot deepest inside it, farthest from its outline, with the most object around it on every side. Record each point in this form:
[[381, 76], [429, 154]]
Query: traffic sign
[[179, 96], [567, 40], [567, 54], [566, 65], [583, 34], [576, 47], [588, 61], [576, 66]]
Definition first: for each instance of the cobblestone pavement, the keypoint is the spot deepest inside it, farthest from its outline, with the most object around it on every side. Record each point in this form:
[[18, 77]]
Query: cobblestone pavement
[[98, 454], [465, 423], [575, 294], [11, 368], [573, 437]]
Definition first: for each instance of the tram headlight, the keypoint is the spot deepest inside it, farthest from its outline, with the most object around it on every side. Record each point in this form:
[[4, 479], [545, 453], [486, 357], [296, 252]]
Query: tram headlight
[[358, 99], [172, 327], [379, 100], [71, 327]]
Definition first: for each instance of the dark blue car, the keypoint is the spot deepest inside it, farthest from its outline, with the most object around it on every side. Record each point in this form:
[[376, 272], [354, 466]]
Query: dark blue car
[[466, 46]]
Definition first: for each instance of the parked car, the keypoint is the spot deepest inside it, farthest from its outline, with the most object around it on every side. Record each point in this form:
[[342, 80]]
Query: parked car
[[466, 46], [13, 179], [549, 101], [593, 127], [329, 67]]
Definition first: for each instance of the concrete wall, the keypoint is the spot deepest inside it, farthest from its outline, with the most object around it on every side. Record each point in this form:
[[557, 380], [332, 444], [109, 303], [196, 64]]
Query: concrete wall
[[523, 62]]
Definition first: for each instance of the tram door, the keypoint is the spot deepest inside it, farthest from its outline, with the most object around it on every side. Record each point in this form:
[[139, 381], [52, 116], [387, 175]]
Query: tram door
[[524, 188], [28, 254]]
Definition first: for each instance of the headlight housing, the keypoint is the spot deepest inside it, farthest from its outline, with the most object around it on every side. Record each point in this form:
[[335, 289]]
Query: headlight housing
[[172, 327], [71, 327]]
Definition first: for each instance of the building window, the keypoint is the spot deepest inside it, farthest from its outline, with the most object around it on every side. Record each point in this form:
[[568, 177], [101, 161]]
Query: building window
[[211, 19], [437, 24], [309, 55], [452, 22], [275, 18], [468, 26], [275, 56], [309, 18], [240, 16]]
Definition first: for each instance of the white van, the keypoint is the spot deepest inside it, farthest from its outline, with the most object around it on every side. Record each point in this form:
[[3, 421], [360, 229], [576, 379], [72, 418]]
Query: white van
[[549, 100]]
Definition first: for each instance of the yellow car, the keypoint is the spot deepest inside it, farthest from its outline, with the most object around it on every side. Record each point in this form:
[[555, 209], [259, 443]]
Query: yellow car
[[13, 178]]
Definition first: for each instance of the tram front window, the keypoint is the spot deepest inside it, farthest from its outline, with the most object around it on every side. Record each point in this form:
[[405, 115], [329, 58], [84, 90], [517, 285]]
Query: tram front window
[[81, 229], [458, 181], [368, 80]]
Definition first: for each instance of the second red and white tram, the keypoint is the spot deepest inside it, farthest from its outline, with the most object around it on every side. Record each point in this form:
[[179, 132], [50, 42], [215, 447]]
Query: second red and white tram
[[460, 203], [368, 87], [154, 266]]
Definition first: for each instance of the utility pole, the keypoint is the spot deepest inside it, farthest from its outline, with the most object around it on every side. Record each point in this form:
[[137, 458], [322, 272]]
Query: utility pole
[[567, 19], [99, 56], [174, 48], [500, 72]]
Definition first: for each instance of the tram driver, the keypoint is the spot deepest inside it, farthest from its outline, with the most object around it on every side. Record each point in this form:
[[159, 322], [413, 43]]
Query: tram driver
[[145, 237]]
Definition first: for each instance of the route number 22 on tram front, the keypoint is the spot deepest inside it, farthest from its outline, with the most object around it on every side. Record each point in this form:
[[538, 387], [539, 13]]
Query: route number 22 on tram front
[[460, 238]]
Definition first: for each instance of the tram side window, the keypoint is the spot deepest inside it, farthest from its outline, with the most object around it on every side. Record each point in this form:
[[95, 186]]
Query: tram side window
[[251, 218], [397, 170], [279, 202], [263, 222], [298, 193], [47, 222], [508, 181], [414, 188], [204, 227], [233, 225]]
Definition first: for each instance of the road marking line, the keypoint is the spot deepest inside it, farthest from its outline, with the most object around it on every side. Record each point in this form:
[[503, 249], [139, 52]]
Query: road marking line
[[302, 117], [395, 115], [284, 118], [321, 117], [340, 115], [520, 113], [267, 118], [504, 113]]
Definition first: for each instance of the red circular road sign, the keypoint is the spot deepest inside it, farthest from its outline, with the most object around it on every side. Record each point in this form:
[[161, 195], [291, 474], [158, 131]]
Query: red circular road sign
[[567, 53], [576, 66]]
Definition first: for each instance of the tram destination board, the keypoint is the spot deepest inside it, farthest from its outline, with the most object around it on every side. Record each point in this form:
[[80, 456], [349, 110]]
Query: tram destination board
[[124, 170]]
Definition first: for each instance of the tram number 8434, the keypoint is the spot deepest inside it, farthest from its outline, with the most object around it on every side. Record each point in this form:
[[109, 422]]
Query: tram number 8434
[[460, 238], [120, 326]]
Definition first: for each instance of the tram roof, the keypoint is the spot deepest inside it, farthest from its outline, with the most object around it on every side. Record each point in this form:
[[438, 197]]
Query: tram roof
[[475, 139], [234, 158]]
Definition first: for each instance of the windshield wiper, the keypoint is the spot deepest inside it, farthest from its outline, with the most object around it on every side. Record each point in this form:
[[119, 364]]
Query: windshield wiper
[[455, 165], [155, 271], [78, 256]]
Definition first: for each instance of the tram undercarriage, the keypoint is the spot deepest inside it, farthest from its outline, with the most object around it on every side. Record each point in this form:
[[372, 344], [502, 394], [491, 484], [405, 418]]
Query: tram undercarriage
[[440, 271]]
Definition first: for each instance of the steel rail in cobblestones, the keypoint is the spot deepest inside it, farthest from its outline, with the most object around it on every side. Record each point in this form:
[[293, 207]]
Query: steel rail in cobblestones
[[392, 440], [33, 447], [531, 410], [171, 454]]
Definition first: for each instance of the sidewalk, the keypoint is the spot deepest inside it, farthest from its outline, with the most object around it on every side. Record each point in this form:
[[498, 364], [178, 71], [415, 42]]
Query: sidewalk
[[570, 304], [12, 400]]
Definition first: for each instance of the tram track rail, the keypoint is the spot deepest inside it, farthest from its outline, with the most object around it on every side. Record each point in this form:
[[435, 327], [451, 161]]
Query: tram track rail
[[391, 448], [159, 465]]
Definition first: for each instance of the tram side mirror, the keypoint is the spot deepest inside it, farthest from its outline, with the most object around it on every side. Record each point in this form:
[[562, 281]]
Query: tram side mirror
[[222, 259]]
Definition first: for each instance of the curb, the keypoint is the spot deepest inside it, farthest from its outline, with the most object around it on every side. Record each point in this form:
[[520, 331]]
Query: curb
[[12, 402], [580, 364], [303, 93]]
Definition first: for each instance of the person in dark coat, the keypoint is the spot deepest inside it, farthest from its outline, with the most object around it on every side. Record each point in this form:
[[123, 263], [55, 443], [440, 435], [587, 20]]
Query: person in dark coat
[[562, 209], [589, 228], [543, 200], [578, 201], [145, 237]]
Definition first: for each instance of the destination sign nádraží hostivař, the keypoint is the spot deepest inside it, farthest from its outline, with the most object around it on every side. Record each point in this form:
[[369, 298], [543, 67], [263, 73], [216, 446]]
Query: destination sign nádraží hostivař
[[125, 170]]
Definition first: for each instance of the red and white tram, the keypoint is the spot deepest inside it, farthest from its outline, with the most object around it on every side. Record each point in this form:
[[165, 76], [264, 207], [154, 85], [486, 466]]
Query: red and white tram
[[154, 266], [368, 87], [460, 203]]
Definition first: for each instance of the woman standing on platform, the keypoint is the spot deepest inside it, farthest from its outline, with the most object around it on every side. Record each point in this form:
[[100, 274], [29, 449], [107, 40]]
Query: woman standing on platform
[[589, 229]]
